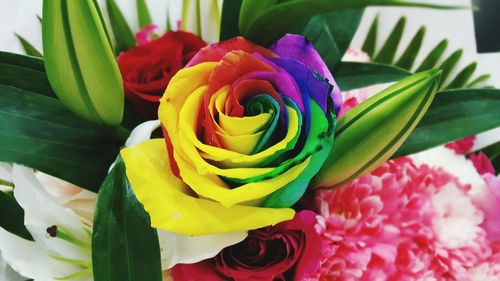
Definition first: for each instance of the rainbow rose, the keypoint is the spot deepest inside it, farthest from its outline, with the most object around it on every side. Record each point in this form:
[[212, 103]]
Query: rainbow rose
[[246, 128]]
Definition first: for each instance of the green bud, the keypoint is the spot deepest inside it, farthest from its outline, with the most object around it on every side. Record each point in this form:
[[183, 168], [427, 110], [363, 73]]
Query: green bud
[[369, 134], [80, 62]]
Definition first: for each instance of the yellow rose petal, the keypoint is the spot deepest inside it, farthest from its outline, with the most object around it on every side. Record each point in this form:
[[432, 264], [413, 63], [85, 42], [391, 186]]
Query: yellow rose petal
[[170, 208]]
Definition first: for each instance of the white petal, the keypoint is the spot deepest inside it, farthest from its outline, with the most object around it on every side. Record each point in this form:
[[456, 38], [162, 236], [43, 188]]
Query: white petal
[[449, 161], [7, 273], [30, 260], [176, 248], [81, 201], [42, 211], [142, 132]]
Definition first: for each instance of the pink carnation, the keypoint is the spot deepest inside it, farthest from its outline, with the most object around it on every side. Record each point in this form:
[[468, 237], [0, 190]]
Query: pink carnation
[[401, 222], [462, 146]]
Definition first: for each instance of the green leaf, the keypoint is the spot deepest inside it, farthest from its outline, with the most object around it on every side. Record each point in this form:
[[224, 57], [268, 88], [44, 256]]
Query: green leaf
[[371, 39], [143, 13], [12, 218], [80, 61], [388, 51], [434, 56], [25, 73], [230, 18], [265, 21], [463, 77], [449, 64], [124, 246], [332, 33], [124, 37], [29, 49], [372, 132], [355, 75], [479, 80], [39, 132], [453, 115], [408, 58]]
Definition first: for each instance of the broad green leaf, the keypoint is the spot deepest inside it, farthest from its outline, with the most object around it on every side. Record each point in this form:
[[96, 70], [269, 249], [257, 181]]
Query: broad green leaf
[[371, 39], [29, 49], [332, 33], [355, 75], [388, 51], [25, 73], [123, 35], [479, 80], [372, 132], [493, 153], [463, 77], [265, 21], [449, 64], [39, 132], [230, 18], [408, 58], [143, 14], [80, 61], [434, 56], [453, 115], [12, 218], [124, 246]]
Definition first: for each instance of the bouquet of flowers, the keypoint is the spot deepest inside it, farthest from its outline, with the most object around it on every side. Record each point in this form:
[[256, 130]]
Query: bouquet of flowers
[[242, 144]]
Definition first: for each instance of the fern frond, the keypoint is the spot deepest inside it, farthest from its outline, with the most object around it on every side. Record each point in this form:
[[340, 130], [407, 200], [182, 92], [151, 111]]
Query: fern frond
[[388, 51]]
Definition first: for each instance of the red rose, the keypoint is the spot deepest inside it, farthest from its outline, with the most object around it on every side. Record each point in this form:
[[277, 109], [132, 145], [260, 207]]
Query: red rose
[[147, 69], [288, 251]]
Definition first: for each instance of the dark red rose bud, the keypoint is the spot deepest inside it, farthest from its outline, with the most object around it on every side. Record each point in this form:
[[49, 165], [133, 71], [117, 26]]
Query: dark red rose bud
[[147, 69]]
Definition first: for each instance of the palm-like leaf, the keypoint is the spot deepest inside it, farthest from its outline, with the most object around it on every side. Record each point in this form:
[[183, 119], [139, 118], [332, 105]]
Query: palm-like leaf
[[387, 55]]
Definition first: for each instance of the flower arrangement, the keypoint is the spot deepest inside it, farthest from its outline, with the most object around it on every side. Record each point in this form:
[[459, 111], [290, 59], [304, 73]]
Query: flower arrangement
[[239, 147]]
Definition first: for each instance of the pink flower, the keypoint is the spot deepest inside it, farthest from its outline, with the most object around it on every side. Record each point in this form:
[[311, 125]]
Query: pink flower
[[401, 222], [489, 270], [462, 146], [147, 34], [287, 251], [482, 163]]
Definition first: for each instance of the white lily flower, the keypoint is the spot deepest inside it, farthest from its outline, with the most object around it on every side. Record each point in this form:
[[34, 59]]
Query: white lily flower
[[59, 216], [7, 273]]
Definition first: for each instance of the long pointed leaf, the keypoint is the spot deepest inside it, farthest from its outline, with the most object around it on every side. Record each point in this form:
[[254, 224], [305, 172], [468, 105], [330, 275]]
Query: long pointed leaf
[[143, 13], [463, 77], [124, 246], [449, 64], [434, 56], [39, 132], [122, 33], [479, 80], [453, 115], [408, 58], [27, 73], [355, 75], [371, 39], [29, 49], [388, 52]]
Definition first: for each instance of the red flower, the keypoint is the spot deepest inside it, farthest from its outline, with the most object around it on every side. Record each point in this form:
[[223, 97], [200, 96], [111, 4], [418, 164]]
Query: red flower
[[288, 251], [147, 69]]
